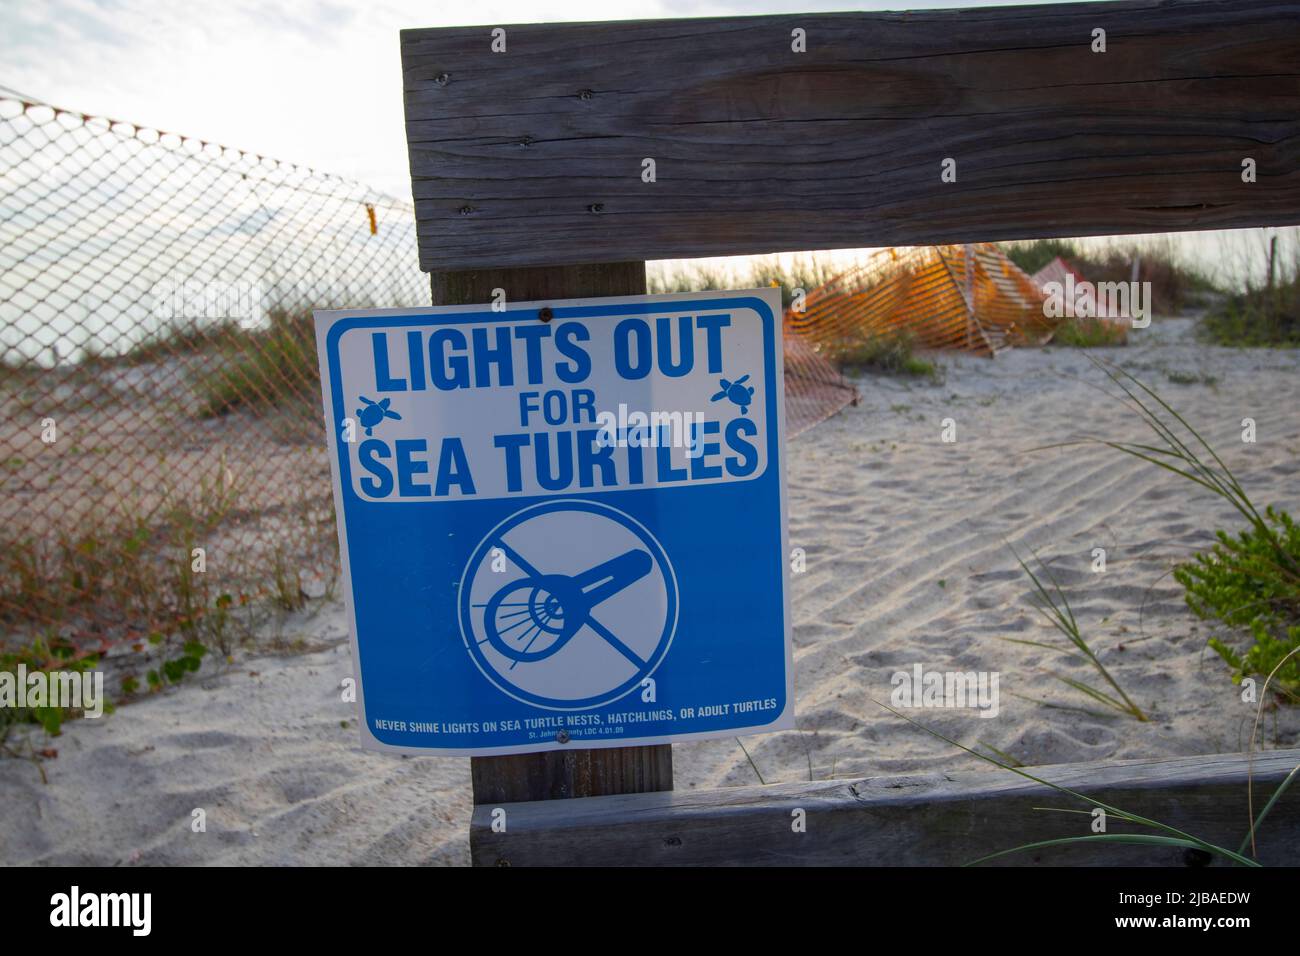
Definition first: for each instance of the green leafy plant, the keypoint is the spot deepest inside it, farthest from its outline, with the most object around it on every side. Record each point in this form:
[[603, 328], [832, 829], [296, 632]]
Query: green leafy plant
[[1265, 651], [174, 669], [42, 654], [1241, 583], [1056, 609]]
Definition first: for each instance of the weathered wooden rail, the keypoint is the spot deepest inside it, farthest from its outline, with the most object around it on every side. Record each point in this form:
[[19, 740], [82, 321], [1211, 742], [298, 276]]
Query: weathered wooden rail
[[528, 166], [534, 156], [922, 820]]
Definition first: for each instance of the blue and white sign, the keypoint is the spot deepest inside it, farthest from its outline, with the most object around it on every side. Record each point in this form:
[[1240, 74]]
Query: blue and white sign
[[562, 524]]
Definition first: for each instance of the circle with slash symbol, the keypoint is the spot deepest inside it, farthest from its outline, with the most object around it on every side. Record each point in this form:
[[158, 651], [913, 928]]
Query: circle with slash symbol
[[568, 604]]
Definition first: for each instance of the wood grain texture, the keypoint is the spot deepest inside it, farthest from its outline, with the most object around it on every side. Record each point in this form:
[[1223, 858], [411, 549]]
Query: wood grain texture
[[477, 286], [533, 156], [924, 820], [557, 774], [562, 774]]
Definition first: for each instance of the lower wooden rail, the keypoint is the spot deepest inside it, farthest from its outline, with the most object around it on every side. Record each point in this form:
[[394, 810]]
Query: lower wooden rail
[[923, 820]]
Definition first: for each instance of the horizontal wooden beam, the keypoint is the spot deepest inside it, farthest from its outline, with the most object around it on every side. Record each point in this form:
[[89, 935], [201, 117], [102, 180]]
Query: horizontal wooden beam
[[925, 820], [534, 156]]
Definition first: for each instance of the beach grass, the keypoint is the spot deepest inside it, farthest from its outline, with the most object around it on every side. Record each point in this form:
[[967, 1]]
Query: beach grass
[[1164, 835], [168, 343], [806, 272], [1180, 377], [265, 368], [1264, 315], [1089, 333], [890, 354], [1032, 254], [1249, 581], [1055, 607], [148, 573]]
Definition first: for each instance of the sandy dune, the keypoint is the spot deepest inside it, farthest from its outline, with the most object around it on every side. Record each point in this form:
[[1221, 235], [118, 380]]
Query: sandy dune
[[907, 563]]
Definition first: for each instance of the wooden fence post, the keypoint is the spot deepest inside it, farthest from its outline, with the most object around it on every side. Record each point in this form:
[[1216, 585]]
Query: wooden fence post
[[558, 774]]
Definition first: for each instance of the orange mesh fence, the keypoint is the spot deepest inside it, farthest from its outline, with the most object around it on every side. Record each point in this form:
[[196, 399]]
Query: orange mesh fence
[[936, 296], [814, 388], [161, 410]]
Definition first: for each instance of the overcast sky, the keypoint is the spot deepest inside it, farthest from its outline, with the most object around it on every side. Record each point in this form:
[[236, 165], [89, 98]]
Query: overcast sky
[[313, 81]]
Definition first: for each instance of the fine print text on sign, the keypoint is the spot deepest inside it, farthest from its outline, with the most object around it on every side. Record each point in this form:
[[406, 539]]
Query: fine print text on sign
[[562, 524]]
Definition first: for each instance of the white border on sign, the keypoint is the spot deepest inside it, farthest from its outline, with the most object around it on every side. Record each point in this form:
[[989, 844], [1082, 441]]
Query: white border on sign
[[325, 319]]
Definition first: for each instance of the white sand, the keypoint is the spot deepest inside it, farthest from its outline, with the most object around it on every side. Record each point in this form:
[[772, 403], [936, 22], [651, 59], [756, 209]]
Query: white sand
[[907, 563]]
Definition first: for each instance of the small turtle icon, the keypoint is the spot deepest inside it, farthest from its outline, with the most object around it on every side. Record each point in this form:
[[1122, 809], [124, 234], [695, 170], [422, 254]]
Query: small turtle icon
[[739, 393], [375, 412]]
